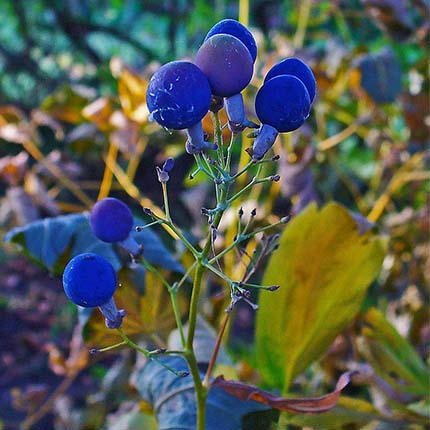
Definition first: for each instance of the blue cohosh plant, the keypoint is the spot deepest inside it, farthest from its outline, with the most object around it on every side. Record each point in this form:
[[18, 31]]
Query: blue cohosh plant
[[179, 95]]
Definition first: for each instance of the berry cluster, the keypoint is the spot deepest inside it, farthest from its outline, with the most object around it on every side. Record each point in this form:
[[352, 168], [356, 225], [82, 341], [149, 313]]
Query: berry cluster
[[180, 93]]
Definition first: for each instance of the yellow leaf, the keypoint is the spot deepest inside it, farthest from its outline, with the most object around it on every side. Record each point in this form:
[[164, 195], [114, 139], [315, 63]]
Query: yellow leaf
[[156, 309], [132, 95], [149, 313], [126, 297], [99, 112], [324, 268], [66, 104]]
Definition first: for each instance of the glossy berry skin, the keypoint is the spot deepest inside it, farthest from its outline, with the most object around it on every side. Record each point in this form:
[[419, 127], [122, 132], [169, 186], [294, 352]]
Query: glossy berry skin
[[227, 63], [236, 29], [89, 280], [111, 220], [296, 67], [283, 102], [178, 95]]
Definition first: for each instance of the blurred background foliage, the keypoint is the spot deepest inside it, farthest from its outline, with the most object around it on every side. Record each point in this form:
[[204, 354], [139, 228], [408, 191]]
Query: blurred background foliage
[[74, 128]]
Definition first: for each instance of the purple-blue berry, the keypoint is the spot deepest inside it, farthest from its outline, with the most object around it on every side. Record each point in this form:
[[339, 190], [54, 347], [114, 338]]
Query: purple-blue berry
[[111, 220], [227, 63], [236, 29], [299, 69], [178, 97], [282, 104], [89, 280]]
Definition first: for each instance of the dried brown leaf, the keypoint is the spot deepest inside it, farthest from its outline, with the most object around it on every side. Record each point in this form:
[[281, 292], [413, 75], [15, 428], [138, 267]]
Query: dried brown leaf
[[301, 405]]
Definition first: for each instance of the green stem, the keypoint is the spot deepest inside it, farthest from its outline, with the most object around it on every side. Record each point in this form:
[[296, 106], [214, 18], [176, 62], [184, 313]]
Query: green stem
[[218, 137], [242, 171], [166, 201], [148, 354], [201, 392], [219, 273], [234, 137], [151, 224], [178, 233], [173, 291], [226, 250], [174, 300], [110, 347], [253, 182], [186, 275]]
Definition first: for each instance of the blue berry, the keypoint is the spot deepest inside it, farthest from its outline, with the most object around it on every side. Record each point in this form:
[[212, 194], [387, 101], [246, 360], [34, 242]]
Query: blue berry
[[111, 220], [227, 63], [283, 102], [89, 280], [236, 29], [178, 95], [299, 69]]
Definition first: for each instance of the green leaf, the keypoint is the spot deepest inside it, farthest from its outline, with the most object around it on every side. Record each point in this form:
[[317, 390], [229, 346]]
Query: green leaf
[[324, 268], [47, 240], [392, 357]]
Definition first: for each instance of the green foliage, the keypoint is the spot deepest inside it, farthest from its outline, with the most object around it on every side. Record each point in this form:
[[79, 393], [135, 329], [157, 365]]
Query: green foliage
[[324, 267], [391, 355]]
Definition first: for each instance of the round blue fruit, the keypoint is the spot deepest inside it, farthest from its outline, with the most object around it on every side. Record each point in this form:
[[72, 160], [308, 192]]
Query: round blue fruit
[[111, 220], [299, 69], [236, 29], [227, 63], [178, 95], [89, 280], [283, 102]]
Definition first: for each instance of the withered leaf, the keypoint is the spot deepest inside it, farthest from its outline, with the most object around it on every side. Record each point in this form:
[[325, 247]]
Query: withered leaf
[[301, 405]]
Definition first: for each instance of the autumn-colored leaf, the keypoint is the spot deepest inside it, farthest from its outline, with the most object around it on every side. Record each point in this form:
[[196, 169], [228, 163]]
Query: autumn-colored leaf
[[132, 94], [147, 314], [99, 112], [324, 267], [66, 104], [10, 114], [301, 405], [126, 297]]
